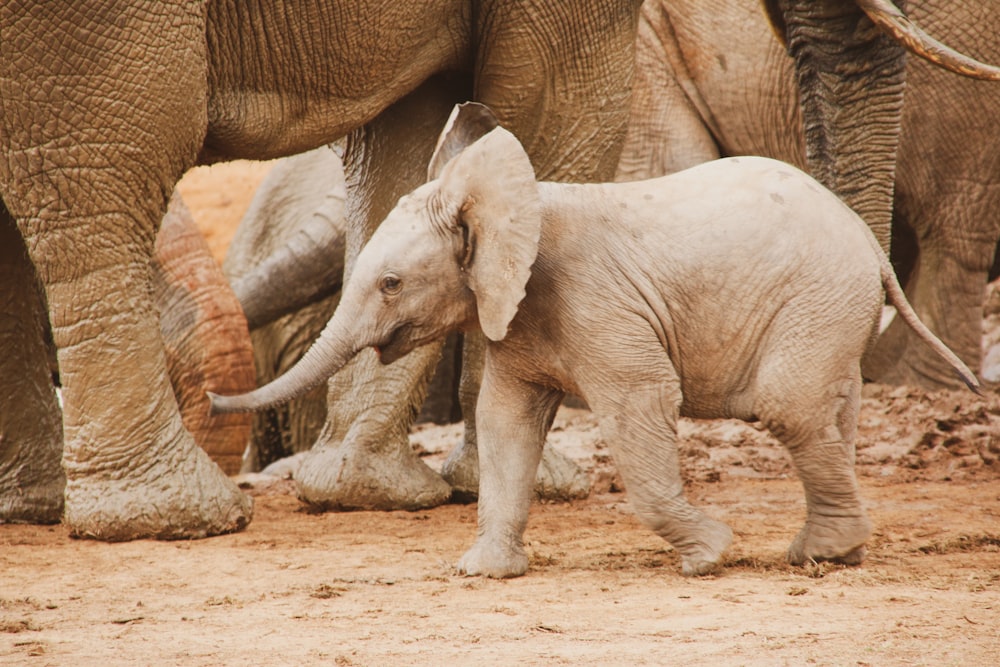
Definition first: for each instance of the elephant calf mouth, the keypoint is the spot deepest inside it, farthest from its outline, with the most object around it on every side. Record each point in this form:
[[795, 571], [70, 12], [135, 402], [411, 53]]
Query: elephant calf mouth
[[396, 345]]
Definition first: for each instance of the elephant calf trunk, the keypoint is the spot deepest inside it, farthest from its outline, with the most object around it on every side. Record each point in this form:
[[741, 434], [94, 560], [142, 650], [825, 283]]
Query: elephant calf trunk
[[331, 351]]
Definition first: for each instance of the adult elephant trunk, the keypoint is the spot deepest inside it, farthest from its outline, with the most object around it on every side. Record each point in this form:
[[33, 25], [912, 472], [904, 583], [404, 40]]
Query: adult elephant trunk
[[336, 346], [307, 269], [851, 78]]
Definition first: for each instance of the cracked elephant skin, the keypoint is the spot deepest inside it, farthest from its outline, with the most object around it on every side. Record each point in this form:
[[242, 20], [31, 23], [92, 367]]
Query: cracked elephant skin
[[712, 80], [96, 130]]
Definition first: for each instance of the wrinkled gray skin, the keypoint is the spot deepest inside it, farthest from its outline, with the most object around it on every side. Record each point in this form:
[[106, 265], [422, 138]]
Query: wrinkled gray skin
[[712, 81], [207, 347], [297, 211], [102, 108], [740, 288]]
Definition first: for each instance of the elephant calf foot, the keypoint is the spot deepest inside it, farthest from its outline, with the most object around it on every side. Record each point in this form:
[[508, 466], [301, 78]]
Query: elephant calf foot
[[701, 551], [840, 539], [346, 476], [488, 559]]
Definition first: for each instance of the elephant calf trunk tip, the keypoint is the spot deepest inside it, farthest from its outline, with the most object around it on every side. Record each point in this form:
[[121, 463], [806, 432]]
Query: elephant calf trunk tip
[[219, 405]]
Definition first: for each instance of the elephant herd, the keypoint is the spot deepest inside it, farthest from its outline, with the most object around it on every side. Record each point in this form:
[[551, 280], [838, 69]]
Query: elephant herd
[[96, 131]]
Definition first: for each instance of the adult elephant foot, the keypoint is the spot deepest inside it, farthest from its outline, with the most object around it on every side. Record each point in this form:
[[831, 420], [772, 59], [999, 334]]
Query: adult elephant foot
[[461, 471], [363, 458], [347, 476], [29, 497], [181, 496], [31, 440], [558, 477]]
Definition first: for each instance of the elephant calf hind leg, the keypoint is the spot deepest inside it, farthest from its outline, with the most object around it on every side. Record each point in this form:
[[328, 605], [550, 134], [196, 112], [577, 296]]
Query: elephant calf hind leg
[[699, 539], [822, 449], [837, 526]]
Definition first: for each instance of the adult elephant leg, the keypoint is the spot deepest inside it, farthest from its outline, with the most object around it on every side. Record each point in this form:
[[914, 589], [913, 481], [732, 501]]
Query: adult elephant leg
[[31, 442], [568, 105], [946, 291], [461, 468], [363, 458], [558, 477], [115, 112], [851, 79], [670, 127], [205, 334]]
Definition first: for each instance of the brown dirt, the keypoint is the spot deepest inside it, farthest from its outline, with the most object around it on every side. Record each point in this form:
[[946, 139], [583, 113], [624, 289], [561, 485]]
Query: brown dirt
[[218, 196], [379, 589]]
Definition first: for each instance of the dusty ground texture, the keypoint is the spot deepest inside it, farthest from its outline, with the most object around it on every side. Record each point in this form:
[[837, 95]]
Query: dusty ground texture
[[379, 589]]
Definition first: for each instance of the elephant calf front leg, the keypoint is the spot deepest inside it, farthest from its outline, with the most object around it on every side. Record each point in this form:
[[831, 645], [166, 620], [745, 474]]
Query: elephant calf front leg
[[512, 419]]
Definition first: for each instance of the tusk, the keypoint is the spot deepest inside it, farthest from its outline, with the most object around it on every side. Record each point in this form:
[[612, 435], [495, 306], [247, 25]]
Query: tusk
[[891, 20]]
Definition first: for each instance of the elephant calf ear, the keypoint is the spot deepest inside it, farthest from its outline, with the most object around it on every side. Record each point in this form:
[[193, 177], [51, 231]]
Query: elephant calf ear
[[467, 123], [500, 208]]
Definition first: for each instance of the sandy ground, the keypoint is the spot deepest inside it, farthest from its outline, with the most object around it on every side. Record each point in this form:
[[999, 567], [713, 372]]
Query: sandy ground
[[379, 588]]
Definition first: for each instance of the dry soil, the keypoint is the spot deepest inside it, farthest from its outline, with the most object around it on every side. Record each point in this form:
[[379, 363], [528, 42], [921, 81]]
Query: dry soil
[[379, 588]]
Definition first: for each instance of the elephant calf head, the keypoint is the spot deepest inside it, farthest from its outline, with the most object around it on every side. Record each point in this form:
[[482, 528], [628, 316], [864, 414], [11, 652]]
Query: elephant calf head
[[455, 252]]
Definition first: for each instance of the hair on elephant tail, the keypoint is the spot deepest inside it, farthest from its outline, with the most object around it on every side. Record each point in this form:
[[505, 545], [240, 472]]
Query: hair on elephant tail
[[903, 308]]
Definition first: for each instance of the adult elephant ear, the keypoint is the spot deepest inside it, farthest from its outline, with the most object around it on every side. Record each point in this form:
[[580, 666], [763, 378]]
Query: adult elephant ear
[[467, 123], [490, 192]]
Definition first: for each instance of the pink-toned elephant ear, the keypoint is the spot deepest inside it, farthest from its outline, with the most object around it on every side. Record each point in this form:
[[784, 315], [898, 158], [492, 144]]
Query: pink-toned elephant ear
[[467, 123], [492, 185], [205, 334]]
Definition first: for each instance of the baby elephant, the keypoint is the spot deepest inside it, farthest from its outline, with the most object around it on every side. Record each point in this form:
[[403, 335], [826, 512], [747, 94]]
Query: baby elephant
[[739, 288]]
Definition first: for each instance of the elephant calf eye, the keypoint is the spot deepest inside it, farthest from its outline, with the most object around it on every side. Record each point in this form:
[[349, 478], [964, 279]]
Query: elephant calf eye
[[391, 284]]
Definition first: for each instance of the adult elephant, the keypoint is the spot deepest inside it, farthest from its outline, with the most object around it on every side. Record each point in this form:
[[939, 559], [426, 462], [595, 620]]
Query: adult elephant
[[103, 107], [712, 81], [207, 346], [298, 207], [672, 126], [205, 334]]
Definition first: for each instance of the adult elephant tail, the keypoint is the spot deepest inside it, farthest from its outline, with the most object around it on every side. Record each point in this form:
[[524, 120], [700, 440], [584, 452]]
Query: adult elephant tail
[[891, 20], [850, 68]]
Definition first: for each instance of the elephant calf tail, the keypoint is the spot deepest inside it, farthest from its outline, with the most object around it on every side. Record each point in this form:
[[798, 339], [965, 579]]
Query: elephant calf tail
[[903, 308]]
